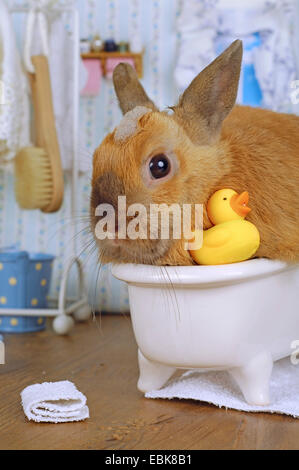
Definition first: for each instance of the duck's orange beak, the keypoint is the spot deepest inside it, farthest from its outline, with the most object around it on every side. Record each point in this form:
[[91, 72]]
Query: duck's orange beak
[[239, 203]]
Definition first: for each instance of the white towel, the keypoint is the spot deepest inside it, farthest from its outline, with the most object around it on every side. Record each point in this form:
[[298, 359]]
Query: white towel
[[14, 98], [54, 402], [203, 22], [220, 389], [61, 62], [62, 73]]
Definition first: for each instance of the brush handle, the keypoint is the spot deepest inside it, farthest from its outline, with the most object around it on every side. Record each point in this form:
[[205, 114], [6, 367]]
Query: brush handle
[[45, 129]]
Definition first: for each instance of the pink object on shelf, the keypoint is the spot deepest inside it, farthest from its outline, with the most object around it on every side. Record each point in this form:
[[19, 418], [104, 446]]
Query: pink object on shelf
[[94, 77], [112, 62]]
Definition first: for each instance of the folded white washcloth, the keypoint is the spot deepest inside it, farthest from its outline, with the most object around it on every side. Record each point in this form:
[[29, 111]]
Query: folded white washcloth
[[219, 388], [54, 402]]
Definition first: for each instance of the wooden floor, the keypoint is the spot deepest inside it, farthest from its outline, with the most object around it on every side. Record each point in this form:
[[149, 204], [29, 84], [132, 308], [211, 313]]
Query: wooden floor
[[100, 358]]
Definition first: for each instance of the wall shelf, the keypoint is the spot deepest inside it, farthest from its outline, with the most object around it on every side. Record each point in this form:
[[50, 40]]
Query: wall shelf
[[103, 56]]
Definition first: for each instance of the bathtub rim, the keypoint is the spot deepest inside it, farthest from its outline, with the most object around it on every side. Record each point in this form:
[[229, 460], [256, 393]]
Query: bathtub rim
[[142, 274]]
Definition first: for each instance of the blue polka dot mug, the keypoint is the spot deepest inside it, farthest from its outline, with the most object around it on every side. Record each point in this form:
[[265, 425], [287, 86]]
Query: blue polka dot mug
[[24, 283]]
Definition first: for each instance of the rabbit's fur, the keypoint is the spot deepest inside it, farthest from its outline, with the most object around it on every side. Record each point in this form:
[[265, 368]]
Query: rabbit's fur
[[213, 144]]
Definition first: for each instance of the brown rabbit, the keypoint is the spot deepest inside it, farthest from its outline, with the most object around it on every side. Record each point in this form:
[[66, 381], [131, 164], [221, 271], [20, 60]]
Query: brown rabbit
[[206, 144]]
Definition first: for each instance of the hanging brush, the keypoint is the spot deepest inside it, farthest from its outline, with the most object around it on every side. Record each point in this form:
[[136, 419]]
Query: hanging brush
[[38, 170]]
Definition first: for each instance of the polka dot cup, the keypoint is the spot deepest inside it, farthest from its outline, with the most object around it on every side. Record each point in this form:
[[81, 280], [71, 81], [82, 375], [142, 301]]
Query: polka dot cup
[[24, 283]]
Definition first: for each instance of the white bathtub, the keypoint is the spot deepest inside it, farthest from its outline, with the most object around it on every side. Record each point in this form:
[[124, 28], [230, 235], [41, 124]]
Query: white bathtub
[[239, 317]]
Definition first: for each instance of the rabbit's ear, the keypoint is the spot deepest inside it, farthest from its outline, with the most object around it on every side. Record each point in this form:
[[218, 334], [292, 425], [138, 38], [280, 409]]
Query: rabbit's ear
[[129, 90], [211, 96]]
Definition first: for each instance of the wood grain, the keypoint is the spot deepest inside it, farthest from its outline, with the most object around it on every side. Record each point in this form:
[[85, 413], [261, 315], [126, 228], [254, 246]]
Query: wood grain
[[100, 358]]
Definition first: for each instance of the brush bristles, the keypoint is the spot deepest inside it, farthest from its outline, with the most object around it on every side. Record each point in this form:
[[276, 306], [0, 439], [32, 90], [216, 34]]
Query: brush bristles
[[33, 178]]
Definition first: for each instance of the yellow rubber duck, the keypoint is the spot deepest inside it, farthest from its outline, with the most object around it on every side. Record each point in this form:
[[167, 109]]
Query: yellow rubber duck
[[232, 239]]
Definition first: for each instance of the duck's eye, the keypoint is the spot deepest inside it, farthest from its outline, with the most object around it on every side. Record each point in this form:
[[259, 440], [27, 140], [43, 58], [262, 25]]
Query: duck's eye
[[159, 166], [225, 198]]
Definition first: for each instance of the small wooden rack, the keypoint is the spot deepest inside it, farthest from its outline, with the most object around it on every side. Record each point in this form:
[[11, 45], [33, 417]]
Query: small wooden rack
[[103, 56]]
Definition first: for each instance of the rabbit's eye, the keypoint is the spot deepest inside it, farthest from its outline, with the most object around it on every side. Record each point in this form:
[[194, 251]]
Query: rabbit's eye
[[159, 166]]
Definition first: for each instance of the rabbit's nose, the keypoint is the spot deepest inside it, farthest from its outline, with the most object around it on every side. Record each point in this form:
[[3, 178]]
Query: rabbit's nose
[[106, 190]]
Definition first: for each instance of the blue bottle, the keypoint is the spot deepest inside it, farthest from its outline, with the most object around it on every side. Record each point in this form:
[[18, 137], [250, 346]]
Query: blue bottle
[[250, 92]]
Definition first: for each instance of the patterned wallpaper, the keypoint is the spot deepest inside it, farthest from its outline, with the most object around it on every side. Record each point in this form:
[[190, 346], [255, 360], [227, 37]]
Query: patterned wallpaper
[[154, 20]]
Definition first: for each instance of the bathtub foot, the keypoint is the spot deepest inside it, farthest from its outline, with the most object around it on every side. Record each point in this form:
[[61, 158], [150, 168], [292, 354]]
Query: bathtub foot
[[152, 375], [253, 379]]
